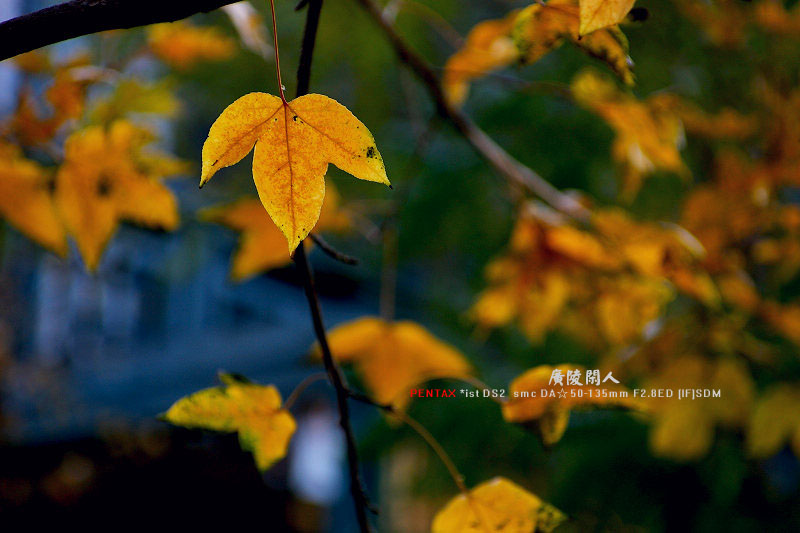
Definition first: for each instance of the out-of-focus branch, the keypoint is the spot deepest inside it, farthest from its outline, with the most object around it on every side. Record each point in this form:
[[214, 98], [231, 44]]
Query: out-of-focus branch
[[83, 17], [511, 169]]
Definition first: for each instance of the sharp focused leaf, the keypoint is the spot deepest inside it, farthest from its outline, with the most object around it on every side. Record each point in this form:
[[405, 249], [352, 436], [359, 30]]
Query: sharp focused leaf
[[253, 411], [598, 14], [294, 143]]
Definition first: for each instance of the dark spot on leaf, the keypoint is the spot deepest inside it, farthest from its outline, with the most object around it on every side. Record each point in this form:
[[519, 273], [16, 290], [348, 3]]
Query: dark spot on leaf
[[104, 186], [294, 118], [371, 151]]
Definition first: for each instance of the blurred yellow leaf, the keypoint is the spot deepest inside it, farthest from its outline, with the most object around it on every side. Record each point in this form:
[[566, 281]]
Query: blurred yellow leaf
[[294, 143], [182, 45], [497, 505], [598, 14], [253, 411], [262, 246], [133, 96], [540, 28], [392, 358], [488, 46], [26, 200], [648, 138], [534, 399], [683, 429], [100, 183], [775, 421]]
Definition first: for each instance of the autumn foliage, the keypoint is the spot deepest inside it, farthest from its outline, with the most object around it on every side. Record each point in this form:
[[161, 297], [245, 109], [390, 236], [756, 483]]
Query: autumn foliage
[[698, 294]]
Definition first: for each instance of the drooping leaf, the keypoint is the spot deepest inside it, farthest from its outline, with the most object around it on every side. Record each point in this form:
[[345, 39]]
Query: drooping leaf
[[497, 505], [26, 201], [541, 28], [253, 411], [262, 246], [294, 143], [598, 14], [392, 358], [648, 137], [100, 183]]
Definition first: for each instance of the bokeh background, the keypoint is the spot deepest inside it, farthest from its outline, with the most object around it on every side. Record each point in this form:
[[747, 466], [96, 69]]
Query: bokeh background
[[90, 360]]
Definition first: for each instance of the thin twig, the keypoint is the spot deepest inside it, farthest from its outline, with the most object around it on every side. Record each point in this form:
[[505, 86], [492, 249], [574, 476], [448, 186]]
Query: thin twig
[[301, 388], [515, 172], [331, 251], [421, 430]]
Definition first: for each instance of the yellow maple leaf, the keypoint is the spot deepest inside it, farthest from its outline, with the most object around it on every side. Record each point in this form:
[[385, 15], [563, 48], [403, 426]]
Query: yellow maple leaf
[[497, 505], [533, 398], [253, 411], [392, 358], [26, 201], [488, 46], [101, 183], [294, 143], [540, 28], [182, 45], [262, 246], [598, 14]]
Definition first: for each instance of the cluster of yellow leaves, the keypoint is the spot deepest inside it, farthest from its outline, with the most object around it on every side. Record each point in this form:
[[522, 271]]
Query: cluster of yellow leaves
[[26, 200], [262, 246], [683, 429], [182, 45], [294, 143], [649, 135], [107, 178], [726, 22], [527, 35], [603, 286], [497, 505], [253, 411], [550, 414], [391, 358], [63, 99]]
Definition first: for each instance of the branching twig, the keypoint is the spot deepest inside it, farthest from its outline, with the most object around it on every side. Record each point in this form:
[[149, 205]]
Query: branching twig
[[514, 171], [335, 375], [331, 251], [83, 17]]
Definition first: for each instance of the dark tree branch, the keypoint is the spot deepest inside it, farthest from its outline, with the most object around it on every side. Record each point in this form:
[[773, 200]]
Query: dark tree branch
[[84, 17], [335, 375], [339, 383]]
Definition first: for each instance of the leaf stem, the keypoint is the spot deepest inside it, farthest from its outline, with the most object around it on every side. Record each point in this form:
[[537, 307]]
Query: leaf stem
[[277, 52]]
